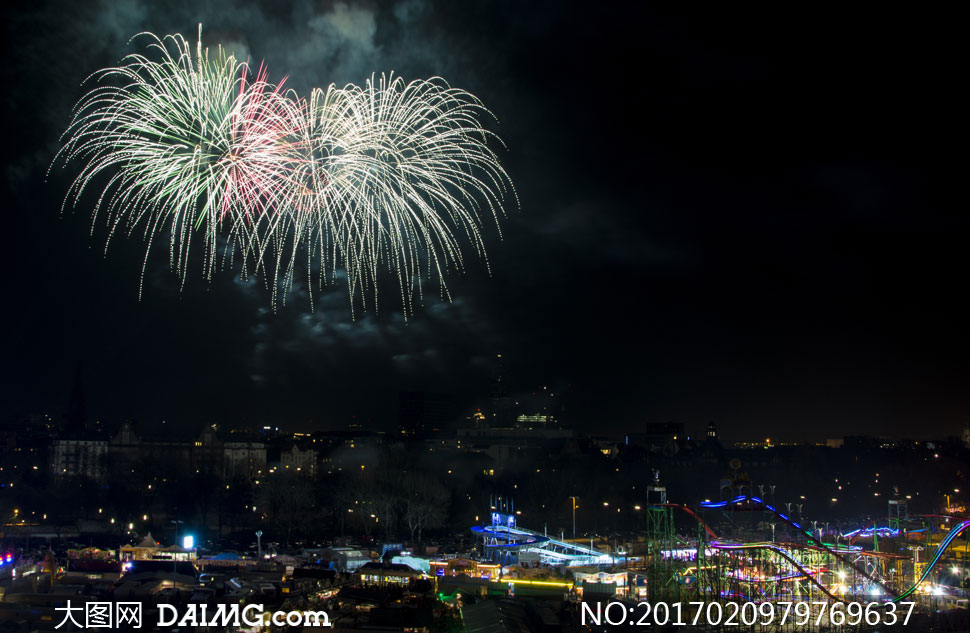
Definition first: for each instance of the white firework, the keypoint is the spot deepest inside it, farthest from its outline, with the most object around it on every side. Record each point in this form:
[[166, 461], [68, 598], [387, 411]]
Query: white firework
[[393, 178]]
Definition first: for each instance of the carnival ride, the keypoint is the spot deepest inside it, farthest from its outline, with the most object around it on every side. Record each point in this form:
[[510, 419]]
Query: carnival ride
[[802, 572], [876, 586], [841, 556], [739, 561], [505, 543]]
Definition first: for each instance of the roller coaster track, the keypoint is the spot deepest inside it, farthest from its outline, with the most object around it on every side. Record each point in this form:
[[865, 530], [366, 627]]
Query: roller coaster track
[[746, 498], [872, 526], [941, 549], [774, 548], [697, 518], [944, 544], [869, 526]]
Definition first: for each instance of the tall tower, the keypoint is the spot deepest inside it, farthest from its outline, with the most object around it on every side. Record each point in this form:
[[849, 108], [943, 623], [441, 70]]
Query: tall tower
[[711, 431], [76, 414], [421, 413]]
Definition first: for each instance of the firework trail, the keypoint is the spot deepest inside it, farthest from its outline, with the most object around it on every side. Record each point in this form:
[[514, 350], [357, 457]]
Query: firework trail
[[389, 178], [188, 146]]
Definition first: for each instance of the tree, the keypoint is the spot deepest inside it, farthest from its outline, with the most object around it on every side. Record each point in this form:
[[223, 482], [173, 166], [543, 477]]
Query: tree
[[288, 501], [380, 494], [205, 488], [235, 502], [425, 502]]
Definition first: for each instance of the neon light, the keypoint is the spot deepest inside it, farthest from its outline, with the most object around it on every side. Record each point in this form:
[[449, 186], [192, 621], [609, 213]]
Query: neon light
[[867, 532], [944, 544], [719, 504], [544, 583]]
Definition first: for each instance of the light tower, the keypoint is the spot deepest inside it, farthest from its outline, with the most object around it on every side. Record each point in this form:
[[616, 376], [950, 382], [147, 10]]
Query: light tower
[[898, 512], [660, 540], [574, 514]]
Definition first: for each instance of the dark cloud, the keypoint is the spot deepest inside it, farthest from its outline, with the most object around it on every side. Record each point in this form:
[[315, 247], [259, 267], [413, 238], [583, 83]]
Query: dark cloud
[[314, 43]]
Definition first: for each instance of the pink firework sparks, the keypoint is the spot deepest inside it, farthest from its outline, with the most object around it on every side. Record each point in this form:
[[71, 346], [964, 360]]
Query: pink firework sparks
[[265, 149]]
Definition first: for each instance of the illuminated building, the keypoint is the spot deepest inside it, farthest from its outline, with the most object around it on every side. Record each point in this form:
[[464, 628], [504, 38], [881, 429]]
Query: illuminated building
[[465, 567], [347, 559], [387, 573], [296, 460], [148, 549], [80, 457], [244, 459], [601, 582], [535, 421], [478, 419]]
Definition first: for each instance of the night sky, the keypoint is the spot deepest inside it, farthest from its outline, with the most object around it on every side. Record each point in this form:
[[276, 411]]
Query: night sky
[[738, 217]]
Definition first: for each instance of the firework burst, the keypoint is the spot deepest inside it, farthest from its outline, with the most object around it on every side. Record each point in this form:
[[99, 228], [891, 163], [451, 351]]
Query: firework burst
[[399, 177], [389, 178]]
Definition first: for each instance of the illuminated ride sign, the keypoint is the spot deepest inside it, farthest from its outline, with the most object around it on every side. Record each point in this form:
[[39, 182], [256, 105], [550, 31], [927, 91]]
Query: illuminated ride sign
[[505, 520]]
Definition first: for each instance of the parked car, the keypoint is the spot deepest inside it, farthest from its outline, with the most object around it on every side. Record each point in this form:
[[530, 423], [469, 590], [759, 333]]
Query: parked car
[[239, 588], [216, 582]]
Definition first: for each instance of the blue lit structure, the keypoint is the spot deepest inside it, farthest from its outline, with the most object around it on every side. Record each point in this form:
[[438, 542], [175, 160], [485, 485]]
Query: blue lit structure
[[504, 541]]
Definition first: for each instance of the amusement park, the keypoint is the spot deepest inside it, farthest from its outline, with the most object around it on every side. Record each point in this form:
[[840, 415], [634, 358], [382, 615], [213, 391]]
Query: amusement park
[[744, 551]]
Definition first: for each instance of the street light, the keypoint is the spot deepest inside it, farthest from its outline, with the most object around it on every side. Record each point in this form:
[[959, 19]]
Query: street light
[[174, 553], [259, 544], [574, 515], [177, 523]]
